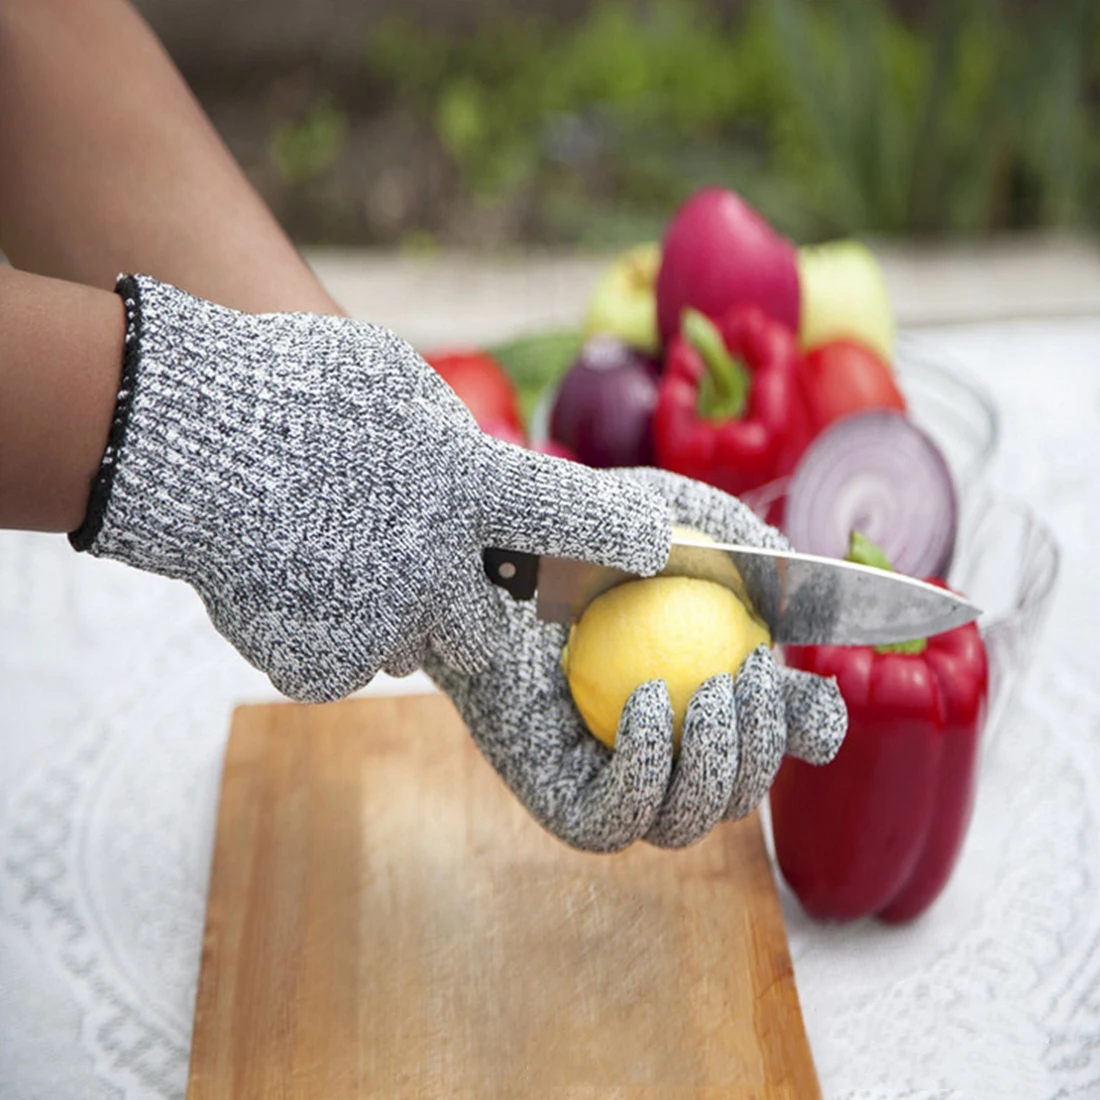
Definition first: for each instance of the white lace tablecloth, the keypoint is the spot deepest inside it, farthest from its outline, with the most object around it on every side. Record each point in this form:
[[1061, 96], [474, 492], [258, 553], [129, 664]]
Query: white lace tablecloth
[[115, 697]]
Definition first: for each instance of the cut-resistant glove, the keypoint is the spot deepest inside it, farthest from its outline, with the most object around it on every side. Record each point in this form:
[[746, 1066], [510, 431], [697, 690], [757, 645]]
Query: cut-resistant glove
[[328, 495], [737, 728]]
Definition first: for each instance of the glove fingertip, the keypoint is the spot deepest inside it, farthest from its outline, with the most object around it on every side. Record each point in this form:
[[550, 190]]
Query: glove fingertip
[[709, 509], [762, 732], [712, 704], [759, 672], [817, 716], [547, 505], [643, 743], [706, 770], [609, 806], [649, 706], [620, 523]]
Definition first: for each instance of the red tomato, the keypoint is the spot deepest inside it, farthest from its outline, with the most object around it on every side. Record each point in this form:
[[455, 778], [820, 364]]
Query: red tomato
[[485, 389], [843, 377]]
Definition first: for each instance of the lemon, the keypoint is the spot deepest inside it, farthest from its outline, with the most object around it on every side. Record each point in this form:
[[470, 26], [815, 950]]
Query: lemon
[[682, 630]]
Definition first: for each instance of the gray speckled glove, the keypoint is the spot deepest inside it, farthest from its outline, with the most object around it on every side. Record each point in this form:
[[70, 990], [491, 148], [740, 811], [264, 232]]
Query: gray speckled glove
[[328, 495], [521, 715]]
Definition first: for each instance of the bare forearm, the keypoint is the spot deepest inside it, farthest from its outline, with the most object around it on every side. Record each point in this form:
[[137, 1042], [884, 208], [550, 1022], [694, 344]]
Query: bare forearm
[[60, 364], [107, 164]]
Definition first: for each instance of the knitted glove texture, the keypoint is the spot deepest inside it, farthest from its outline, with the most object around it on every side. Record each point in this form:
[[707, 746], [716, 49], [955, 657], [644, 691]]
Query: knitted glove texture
[[329, 496]]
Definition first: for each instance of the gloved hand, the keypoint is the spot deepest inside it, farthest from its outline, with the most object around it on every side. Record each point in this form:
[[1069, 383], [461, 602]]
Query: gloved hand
[[328, 495], [521, 715]]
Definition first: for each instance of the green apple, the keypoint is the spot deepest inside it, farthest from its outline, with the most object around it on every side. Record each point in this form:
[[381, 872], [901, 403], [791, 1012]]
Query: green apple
[[844, 296], [623, 302]]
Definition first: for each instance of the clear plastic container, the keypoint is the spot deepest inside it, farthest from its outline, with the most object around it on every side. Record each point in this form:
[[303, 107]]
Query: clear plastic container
[[1007, 561], [954, 410]]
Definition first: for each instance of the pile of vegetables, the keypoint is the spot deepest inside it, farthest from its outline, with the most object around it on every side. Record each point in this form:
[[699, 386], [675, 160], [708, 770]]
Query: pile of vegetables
[[731, 356]]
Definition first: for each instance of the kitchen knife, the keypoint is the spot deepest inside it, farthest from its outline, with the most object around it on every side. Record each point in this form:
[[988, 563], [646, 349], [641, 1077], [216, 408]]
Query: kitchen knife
[[802, 599]]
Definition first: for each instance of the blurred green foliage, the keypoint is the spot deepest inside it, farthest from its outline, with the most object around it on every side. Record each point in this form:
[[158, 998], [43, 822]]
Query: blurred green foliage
[[833, 118], [304, 149]]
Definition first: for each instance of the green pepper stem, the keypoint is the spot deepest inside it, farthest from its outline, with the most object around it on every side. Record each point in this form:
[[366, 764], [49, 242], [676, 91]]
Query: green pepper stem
[[724, 389], [863, 551]]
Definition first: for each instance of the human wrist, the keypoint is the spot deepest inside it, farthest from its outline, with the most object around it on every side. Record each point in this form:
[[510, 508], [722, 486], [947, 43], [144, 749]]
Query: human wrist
[[61, 350]]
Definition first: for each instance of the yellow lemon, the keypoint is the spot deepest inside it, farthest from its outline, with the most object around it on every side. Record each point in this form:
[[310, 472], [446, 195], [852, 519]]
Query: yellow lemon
[[682, 630]]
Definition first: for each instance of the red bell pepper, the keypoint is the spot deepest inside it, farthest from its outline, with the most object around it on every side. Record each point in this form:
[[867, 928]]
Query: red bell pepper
[[878, 830], [731, 409]]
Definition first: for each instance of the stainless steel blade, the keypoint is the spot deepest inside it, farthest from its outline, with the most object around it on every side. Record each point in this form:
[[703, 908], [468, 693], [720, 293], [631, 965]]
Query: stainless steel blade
[[803, 599]]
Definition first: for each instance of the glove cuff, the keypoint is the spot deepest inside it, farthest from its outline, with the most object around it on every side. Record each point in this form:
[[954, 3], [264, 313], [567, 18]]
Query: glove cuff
[[126, 287], [164, 498]]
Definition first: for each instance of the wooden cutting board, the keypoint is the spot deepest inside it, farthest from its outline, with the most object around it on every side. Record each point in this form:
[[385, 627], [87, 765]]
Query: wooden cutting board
[[385, 920]]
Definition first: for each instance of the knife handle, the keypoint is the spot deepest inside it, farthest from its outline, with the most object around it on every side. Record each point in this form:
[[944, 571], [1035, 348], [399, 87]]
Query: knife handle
[[514, 571]]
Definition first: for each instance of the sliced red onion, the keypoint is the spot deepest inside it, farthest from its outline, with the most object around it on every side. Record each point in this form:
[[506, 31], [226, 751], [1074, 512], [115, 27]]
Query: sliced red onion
[[877, 473]]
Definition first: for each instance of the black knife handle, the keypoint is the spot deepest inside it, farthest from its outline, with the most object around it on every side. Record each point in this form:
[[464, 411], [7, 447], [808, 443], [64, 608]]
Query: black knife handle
[[517, 573]]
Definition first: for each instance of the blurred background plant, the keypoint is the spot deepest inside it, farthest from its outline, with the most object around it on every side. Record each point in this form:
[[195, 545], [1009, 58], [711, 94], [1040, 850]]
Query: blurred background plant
[[526, 125], [303, 150]]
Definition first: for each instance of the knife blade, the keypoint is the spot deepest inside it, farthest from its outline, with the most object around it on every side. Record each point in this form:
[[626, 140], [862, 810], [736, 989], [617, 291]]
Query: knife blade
[[803, 599]]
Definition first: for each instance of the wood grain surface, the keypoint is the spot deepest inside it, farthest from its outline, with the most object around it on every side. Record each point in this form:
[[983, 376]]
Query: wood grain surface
[[385, 920]]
